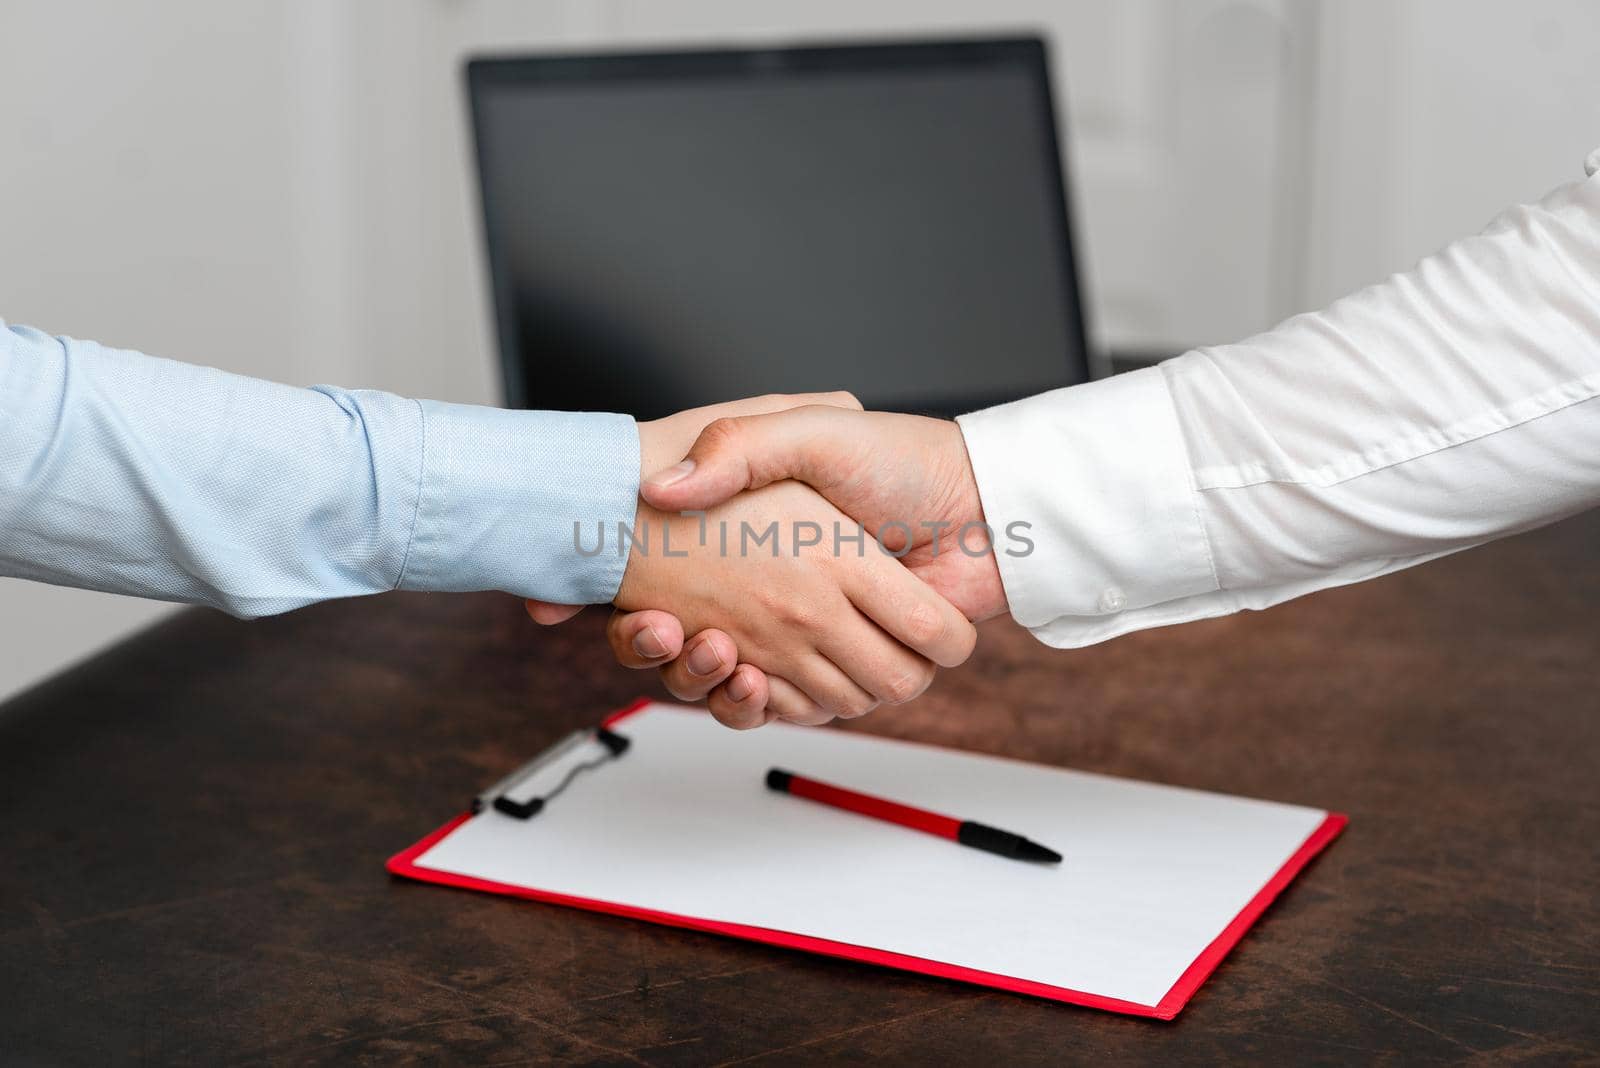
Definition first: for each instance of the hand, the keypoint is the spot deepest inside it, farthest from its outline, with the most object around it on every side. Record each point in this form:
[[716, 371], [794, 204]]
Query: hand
[[662, 441], [905, 477], [836, 628], [649, 638]]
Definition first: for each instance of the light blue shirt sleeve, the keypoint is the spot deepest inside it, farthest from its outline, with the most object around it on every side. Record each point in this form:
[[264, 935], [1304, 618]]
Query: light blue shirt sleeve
[[131, 474]]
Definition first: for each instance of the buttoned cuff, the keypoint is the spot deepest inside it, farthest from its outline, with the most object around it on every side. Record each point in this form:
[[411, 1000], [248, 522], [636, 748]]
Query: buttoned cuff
[[1100, 475], [502, 493]]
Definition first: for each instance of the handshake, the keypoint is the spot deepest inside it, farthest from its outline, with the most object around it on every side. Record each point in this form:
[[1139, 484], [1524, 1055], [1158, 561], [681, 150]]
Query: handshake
[[824, 559]]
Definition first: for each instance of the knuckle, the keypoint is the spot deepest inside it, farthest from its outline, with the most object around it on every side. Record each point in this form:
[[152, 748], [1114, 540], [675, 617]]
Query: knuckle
[[843, 398], [798, 615], [907, 685], [851, 705], [721, 433], [924, 625], [802, 709]]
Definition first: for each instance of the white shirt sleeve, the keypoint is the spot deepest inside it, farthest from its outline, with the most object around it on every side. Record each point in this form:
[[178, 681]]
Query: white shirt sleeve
[[1440, 409]]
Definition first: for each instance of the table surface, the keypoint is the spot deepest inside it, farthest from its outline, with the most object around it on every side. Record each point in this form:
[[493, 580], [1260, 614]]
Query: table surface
[[196, 825]]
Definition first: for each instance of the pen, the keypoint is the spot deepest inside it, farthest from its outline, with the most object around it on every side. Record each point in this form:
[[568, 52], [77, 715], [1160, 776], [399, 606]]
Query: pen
[[967, 832]]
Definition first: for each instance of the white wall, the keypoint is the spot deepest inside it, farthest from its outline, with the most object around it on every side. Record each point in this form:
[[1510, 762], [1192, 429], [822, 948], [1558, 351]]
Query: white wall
[[1432, 115], [281, 188], [158, 190]]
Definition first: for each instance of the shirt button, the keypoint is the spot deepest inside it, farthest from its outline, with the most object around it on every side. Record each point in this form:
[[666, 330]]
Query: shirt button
[[1112, 600]]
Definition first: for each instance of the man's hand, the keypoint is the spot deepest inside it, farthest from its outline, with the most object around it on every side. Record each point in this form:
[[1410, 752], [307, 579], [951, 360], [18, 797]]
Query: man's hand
[[906, 478]]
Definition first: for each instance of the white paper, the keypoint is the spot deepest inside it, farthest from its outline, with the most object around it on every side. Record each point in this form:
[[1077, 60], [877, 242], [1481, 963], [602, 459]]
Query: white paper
[[684, 823]]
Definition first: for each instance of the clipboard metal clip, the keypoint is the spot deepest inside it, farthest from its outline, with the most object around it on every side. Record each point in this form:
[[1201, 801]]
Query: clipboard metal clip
[[578, 752]]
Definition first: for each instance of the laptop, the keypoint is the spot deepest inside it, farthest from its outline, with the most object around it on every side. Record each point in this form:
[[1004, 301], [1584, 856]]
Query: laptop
[[670, 229]]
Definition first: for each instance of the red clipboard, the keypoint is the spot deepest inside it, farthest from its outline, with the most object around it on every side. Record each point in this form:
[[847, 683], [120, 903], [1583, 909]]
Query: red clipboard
[[404, 864]]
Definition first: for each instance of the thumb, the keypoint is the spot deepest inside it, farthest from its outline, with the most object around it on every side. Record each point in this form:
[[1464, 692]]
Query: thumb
[[747, 452]]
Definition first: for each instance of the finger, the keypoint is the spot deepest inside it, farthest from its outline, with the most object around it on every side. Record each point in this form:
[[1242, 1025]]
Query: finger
[[644, 639], [877, 662], [708, 658], [908, 608], [829, 688], [782, 402], [748, 452], [741, 702], [547, 614], [790, 704]]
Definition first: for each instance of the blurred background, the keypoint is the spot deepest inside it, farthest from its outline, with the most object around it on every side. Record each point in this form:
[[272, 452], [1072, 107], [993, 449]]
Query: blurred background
[[282, 187]]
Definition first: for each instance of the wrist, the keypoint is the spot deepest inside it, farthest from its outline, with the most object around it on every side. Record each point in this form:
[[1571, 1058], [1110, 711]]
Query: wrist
[[654, 449]]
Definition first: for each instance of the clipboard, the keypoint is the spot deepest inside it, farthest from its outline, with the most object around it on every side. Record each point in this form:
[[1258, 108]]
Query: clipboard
[[1158, 884]]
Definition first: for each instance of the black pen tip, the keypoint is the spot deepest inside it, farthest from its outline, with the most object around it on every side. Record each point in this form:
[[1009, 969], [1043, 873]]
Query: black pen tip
[[1027, 850]]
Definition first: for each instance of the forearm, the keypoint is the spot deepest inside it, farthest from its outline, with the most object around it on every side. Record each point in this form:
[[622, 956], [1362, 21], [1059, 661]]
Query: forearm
[[1449, 405], [135, 475]]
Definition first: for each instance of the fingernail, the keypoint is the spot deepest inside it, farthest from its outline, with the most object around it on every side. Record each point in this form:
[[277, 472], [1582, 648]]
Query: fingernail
[[739, 688], [648, 644], [676, 473], [704, 659]]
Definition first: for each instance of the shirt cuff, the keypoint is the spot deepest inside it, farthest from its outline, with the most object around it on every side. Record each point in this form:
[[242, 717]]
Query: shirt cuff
[[503, 494], [1100, 475]]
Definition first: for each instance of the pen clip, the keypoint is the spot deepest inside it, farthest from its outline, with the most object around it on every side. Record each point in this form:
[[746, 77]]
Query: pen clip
[[499, 796]]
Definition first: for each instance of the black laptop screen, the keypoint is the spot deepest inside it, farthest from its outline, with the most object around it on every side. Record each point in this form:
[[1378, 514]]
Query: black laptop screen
[[666, 231]]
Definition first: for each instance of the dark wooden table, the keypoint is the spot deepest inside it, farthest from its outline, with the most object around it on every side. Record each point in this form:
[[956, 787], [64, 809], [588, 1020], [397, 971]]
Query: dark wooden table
[[195, 825]]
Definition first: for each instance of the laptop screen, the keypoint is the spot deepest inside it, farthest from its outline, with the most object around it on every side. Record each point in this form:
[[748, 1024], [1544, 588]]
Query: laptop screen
[[671, 230]]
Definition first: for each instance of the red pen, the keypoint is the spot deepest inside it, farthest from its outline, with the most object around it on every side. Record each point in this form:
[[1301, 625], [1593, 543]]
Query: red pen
[[967, 832]]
